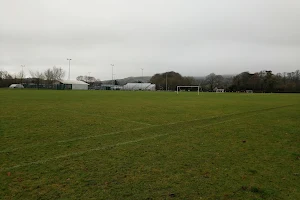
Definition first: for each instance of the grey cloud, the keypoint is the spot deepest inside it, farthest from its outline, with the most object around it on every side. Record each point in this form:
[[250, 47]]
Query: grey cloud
[[189, 36]]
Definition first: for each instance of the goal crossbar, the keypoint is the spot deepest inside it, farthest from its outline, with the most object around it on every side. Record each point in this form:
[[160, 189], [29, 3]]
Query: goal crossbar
[[186, 86]]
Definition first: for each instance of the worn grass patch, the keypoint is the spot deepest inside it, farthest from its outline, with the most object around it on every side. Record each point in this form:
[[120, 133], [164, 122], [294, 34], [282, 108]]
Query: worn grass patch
[[148, 145]]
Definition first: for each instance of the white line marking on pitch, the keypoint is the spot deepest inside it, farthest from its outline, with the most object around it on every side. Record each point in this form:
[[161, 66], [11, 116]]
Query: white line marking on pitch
[[117, 119], [81, 152], [105, 147], [72, 139], [136, 129], [98, 135]]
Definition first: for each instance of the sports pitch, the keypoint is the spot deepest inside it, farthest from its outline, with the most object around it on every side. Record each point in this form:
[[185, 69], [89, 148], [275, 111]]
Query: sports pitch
[[148, 145]]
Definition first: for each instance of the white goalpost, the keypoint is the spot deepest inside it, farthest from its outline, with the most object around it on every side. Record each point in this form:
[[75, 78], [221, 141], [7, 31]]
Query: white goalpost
[[220, 90], [178, 87]]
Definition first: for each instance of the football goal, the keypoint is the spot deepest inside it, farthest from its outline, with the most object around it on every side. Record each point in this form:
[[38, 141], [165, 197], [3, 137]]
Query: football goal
[[249, 91], [186, 87], [220, 90]]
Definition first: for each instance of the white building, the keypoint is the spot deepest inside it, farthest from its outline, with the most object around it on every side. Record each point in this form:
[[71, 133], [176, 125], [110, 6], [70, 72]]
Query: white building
[[16, 86], [72, 85], [139, 86]]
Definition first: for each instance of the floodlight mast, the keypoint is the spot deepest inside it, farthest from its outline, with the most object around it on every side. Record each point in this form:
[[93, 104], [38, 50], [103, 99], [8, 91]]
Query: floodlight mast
[[69, 59], [112, 74]]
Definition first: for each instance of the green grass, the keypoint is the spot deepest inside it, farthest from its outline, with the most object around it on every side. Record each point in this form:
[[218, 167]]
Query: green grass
[[148, 145]]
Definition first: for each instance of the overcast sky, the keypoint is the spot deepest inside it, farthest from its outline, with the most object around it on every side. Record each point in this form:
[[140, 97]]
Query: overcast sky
[[192, 37]]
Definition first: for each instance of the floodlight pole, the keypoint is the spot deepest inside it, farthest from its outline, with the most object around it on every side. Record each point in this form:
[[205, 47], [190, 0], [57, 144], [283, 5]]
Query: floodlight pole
[[69, 59], [112, 74], [142, 72]]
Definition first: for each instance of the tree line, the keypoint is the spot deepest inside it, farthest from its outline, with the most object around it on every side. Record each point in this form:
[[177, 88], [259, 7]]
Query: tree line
[[92, 81], [263, 81], [170, 80], [266, 81], [44, 79]]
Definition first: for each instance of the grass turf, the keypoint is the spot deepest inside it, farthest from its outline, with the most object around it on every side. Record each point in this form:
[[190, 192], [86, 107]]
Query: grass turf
[[148, 145]]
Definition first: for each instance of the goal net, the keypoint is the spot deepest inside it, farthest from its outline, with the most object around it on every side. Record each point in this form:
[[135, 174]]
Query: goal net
[[188, 88], [220, 90], [249, 91]]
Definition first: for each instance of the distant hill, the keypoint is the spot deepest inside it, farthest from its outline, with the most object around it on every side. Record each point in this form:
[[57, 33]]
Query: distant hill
[[224, 75], [229, 75], [146, 79]]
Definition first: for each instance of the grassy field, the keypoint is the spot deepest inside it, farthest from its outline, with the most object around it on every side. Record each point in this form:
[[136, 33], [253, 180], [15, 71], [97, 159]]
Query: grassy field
[[148, 145]]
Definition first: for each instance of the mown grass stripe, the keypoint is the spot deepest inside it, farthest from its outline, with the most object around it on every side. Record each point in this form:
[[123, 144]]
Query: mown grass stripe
[[81, 152], [142, 128], [114, 118], [115, 145]]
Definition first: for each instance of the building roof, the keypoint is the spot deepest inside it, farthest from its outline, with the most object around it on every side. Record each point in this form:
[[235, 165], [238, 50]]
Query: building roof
[[16, 86], [138, 86], [73, 82]]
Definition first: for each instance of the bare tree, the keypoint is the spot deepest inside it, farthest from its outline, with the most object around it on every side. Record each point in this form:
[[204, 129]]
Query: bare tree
[[80, 78], [54, 74], [21, 75], [91, 79], [88, 79], [5, 75], [97, 82], [5, 79], [38, 76], [58, 73], [49, 76], [211, 81]]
